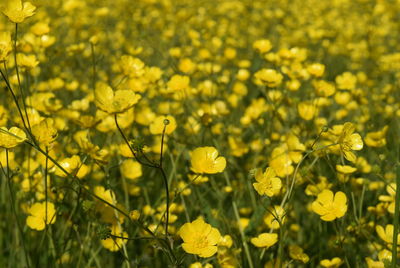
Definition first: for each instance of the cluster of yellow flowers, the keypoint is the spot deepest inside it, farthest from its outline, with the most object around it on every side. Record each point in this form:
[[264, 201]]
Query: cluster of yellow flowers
[[240, 133]]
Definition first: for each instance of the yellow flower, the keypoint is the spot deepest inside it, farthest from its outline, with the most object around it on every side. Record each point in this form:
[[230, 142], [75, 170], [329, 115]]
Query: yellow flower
[[199, 238], [264, 240], [131, 169], [17, 12], [281, 161], [10, 138], [307, 110], [349, 141], [330, 207], [71, 165], [5, 45], [206, 160], [45, 132], [391, 190], [346, 169], [268, 77], [334, 263], [386, 234], [262, 45], [296, 253], [275, 217], [114, 102], [27, 61], [131, 66], [267, 182], [115, 244], [346, 81], [157, 126], [377, 138], [316, 69], [38, 218], [374, 264], [178, 82]]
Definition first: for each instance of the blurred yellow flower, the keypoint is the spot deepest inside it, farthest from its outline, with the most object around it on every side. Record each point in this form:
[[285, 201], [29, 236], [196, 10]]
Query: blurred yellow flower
[[346, 81], [131, 169], [5, 45], [264, 240], [262, 45], [296, 253], [307, 110], [199, 238], [275, 217], [386, 234], [268, 77], [376, 138], [114, 102], [158, 124], [27, 61], [17, 11], [115, 244], [267, 182], [316, 69], [333, 263], [38, 217], [71, 165], [178, 82], [345, 169], [391, 198], [45, 132], [12, 137], [206, 160], [330, 207]]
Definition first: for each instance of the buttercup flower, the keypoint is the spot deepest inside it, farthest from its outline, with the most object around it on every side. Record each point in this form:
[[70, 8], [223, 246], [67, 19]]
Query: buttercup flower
[[10, 138], [157, 126], [17, 11], [268, 77], [376, 138], [38, 218], [386, 234], [71, 165], [297, 253], [307, 110], [275, 217], [131, 169], [330, 207], [45, 132], [206, 160], [267, 182], [115, 244], [265, 240], [349, 141], [5, 45], [114, 102], [199, 238], [333, 263]]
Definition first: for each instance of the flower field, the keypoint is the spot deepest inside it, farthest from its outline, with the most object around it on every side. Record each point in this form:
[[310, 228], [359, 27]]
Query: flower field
[[200, 134]]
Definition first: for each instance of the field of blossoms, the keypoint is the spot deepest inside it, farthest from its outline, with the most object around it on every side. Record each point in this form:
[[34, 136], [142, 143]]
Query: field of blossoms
[[199, 133]]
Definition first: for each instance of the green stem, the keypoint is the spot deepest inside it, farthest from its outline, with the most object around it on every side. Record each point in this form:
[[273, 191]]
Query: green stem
[[396, 218], [15, 211], [18, 76], [242, 235]]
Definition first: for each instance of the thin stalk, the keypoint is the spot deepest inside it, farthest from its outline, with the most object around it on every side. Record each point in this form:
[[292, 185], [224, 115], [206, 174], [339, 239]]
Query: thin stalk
[[396, 218], [8, 85], [242, 235], [93, 66], [15, 211], [18, 76]]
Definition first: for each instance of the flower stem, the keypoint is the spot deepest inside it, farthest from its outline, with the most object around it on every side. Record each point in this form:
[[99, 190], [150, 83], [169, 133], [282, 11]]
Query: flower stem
[[396, 218]]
